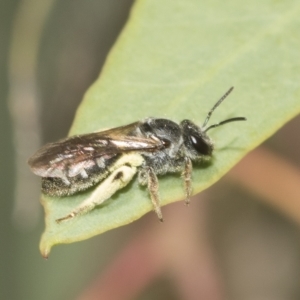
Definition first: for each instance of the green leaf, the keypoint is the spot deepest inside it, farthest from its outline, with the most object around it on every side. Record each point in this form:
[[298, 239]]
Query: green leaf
[[174, 59]]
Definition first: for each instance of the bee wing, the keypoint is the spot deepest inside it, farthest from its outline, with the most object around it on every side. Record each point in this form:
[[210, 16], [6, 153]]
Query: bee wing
[[71, 156]]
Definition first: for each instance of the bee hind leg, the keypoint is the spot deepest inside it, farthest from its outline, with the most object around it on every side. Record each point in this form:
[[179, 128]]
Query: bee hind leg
[[115, 181]]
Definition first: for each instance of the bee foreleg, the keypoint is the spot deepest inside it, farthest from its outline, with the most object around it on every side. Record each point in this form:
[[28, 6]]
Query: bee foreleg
[[115, 181], [187, 177], [147, 176]]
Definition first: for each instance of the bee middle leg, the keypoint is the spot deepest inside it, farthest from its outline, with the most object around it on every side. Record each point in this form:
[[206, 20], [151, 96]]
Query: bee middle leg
[[187, 177], [148, 176]]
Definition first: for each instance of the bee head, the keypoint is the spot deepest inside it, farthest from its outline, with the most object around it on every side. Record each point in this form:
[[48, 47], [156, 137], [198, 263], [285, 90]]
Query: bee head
[[196, 140]]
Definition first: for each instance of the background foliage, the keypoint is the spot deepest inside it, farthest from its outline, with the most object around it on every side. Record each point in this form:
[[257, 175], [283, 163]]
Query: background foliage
[[174, 59]]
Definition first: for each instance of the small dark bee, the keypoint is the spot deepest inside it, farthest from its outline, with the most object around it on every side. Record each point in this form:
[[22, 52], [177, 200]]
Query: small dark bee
[[112, 157]]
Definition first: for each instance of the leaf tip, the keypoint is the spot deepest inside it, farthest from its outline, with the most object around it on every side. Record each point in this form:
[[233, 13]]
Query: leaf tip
[[45, 248]]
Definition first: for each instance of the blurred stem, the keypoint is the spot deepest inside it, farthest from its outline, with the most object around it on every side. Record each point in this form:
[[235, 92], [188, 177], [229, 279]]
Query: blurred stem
[[271, 177], [178, 248], [24, 104]]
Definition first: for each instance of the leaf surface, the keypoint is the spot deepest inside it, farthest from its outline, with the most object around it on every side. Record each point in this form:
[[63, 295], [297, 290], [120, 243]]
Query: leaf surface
[[175, 59]]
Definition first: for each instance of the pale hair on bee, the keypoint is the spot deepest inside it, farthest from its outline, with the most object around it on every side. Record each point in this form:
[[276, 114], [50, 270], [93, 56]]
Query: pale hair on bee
[[110, 159]]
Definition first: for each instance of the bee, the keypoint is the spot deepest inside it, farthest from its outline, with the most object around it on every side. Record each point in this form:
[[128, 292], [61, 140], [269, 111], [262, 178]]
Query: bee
[[110, 159]]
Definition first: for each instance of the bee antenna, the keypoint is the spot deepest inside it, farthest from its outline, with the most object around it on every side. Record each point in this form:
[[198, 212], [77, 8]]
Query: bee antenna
[[225, 121], [216, 105]]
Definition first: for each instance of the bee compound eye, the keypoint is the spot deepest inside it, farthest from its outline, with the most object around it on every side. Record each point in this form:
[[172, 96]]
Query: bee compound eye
[[201, 145]]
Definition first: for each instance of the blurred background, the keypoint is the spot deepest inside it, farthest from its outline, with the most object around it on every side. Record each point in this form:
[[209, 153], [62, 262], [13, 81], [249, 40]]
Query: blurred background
[[240, 240]]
